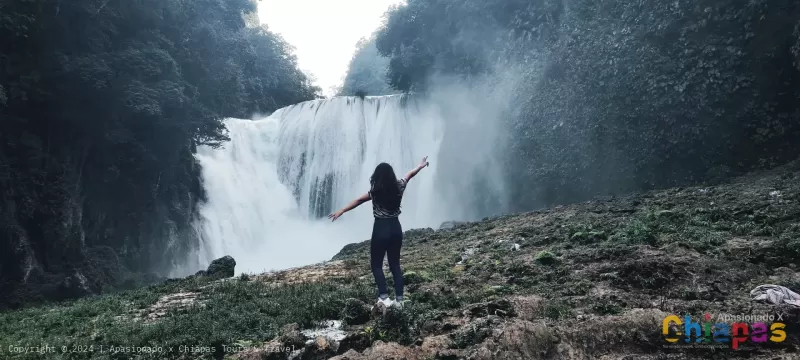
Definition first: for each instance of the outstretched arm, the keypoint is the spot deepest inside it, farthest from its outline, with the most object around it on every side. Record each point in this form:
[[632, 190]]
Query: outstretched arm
[[352, 205], [419, 167]]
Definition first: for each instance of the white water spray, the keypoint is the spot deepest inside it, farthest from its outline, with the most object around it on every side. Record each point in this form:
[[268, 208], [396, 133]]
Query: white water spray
[[271, 185]]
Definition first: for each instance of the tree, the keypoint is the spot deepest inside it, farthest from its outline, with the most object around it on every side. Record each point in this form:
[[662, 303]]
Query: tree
[[616, 96], [366, 74], [103, 105]]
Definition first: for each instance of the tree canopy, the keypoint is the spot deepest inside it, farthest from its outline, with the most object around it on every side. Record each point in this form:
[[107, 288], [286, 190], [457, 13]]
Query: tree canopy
[[616, 96], [102, 105], [367, 72]]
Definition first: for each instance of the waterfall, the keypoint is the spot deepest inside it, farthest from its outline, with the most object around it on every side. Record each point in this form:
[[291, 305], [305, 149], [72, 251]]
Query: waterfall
[[271, 187]]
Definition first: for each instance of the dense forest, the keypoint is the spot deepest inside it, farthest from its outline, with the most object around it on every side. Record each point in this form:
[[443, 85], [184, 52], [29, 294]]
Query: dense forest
[[614, 96], [102, 105], [366, 73]]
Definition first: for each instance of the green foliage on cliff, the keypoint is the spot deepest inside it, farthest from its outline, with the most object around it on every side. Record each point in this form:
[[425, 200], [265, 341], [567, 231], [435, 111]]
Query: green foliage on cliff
[[103, 104], [366, 74], [616, 96]]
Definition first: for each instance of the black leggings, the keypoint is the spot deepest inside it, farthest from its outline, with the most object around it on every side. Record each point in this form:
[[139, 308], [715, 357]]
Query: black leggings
[[387, 239]]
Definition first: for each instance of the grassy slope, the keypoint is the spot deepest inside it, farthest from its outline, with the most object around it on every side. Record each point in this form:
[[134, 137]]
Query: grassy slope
[[588, 280]]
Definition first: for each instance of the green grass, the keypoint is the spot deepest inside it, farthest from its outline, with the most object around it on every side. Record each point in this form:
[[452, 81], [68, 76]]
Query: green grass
[[639, 232], [233, 311], [586, 262], [557, 310], [545, 257]]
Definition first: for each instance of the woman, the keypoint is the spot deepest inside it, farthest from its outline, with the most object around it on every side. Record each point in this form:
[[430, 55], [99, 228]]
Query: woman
[[386, 192]]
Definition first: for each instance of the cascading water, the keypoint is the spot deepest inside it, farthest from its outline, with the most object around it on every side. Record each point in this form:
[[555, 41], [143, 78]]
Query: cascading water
[[271, 186]]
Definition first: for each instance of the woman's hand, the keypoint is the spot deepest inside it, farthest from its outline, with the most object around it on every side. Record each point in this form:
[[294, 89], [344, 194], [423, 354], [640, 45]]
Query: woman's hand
[[335, 215], [352, 205], [419, 167], [424, 162]]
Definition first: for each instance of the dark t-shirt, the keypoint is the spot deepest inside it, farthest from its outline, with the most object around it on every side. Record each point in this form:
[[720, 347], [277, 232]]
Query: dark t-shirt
[[380, 211]]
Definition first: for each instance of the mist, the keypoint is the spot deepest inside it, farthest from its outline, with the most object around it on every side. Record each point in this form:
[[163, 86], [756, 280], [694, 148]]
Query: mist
[[603, 99], [513, 116], [271, 187]]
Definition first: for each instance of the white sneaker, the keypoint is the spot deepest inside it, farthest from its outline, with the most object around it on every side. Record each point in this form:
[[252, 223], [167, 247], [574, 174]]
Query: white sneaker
[[387, 302]]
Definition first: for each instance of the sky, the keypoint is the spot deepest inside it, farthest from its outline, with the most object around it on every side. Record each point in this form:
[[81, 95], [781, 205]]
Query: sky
[[323, 32]]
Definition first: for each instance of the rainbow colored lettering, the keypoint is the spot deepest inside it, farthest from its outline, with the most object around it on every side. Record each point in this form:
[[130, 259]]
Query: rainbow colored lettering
[[736, 333]]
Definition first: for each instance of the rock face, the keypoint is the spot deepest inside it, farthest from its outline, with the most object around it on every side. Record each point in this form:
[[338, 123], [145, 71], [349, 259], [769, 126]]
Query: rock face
[[166, 305], [60, 269], [381, 351], [308, 274], [68, 245]]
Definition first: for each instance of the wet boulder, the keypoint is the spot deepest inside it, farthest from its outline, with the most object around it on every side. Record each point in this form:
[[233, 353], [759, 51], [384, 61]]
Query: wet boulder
[[221, 268]]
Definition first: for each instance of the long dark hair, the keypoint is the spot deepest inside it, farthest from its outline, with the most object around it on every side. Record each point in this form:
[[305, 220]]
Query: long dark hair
[[383, 187]]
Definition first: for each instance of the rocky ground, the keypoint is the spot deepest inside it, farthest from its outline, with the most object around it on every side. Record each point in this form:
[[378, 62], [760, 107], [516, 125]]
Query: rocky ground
[[584, 281]]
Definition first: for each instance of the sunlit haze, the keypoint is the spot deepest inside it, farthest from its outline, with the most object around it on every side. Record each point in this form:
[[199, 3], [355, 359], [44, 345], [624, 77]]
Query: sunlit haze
[[323, 32]]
